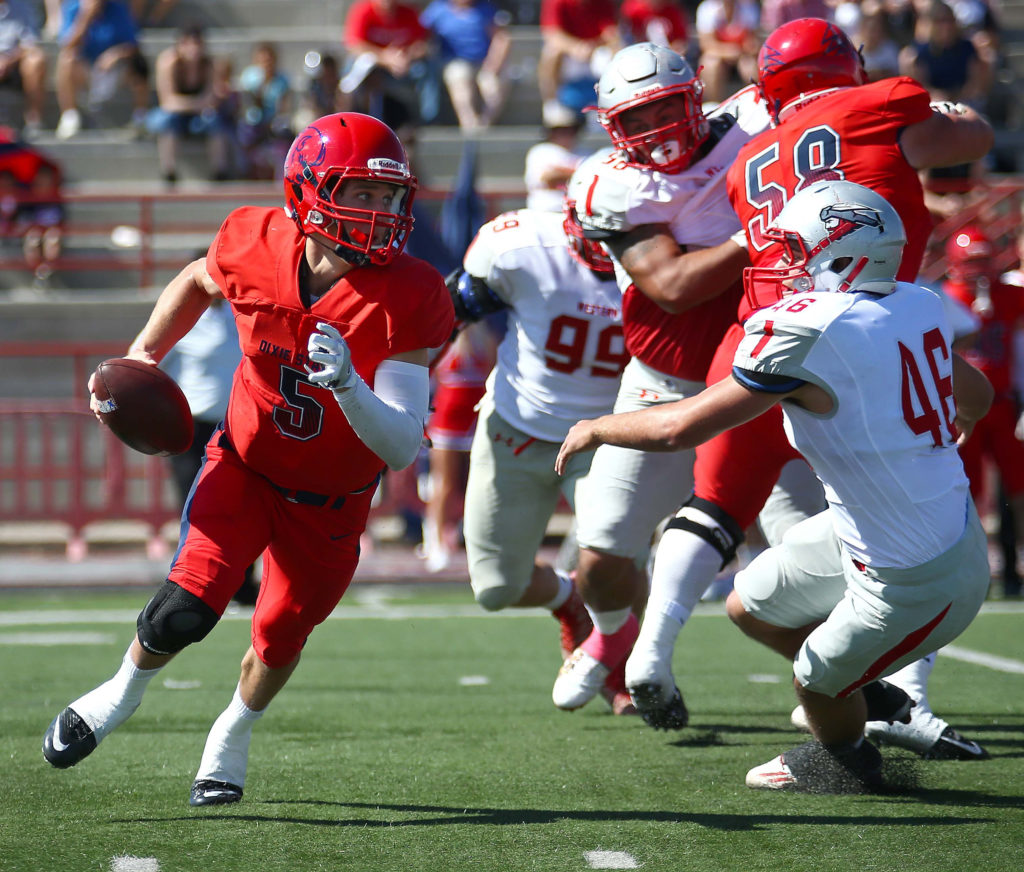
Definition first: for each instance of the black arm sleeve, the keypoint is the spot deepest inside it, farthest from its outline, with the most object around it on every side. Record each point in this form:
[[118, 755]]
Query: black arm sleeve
[[471, 297]]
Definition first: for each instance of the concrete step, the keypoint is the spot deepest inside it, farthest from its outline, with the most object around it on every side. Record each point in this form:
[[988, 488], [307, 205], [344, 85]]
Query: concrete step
[[96, 155]]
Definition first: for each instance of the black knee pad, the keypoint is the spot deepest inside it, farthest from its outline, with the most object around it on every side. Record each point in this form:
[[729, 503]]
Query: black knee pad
[[173, 619], [725, 537]]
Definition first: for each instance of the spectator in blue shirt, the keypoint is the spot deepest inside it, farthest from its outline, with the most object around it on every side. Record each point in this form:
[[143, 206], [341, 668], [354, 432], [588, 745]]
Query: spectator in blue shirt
[[98, 45], [474, 47]]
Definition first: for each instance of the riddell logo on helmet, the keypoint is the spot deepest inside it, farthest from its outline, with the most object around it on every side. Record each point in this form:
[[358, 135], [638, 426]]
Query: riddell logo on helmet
[[387, 165]]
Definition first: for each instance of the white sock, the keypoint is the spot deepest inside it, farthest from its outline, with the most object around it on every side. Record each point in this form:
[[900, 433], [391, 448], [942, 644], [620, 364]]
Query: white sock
[[226, 754], [913, 679], [108, 706], [565, 589], [684, 567], [608, 623]]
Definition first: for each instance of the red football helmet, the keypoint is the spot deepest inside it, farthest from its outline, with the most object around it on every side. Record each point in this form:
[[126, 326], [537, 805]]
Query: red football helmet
[[802, 57], [587, 251], [328, 153], [969, 254]]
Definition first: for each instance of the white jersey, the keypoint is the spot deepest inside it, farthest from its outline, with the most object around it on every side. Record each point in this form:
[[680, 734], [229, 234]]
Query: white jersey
[[886, 454], [694, 203], [563, 353]]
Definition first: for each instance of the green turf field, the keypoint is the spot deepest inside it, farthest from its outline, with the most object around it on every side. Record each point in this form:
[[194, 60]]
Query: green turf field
[[429, 742]]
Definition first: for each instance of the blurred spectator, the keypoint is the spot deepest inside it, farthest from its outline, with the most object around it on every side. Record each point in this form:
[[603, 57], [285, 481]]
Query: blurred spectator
[[474, 46], [580, 37], [188, 105], [31, 206], [152, 13], [10, 202], [390, 54], [203, 363], [777, 12], [460, 377], [945, 61], [659, 21], [974, 281], [264, 124], [98, 46], [40, 223], [550, 163], [323, 89], [727, 31], [879, 49], [22, 61]]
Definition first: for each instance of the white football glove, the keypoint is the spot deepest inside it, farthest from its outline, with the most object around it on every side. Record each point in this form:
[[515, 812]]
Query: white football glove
[[948, 107], [328, 349], [1019, 429]]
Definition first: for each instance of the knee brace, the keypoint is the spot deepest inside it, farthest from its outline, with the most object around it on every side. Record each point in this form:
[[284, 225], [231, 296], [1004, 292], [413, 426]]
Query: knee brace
[[173, 619], [707, 521]]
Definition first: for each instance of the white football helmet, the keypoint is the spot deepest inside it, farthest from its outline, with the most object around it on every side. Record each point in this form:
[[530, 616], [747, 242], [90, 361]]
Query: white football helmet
[[641, 74], [834, 236]]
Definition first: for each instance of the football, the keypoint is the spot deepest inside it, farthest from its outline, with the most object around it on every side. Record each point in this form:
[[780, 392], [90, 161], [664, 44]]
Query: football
[[143, 406]]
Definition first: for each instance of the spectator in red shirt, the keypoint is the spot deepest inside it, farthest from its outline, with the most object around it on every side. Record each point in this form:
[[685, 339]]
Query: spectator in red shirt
[[580, 37], [391, 54], [658, 21]]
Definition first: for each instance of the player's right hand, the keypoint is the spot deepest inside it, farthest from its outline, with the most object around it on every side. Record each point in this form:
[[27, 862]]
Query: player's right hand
[[329, 349]]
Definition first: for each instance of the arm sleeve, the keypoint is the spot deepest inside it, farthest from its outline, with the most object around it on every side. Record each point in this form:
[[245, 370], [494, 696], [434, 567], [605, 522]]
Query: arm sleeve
[[390, 419]]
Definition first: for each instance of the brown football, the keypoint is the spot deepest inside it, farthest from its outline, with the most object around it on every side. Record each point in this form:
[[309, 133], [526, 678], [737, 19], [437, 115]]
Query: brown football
[[143, 406]]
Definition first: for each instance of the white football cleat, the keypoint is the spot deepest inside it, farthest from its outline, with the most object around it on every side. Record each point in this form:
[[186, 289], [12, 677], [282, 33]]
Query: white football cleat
[[580, 679], [773, 775]]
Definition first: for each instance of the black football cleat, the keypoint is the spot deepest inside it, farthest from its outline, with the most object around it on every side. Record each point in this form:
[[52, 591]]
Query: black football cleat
[[952, 746], [208, 792], [68, 740]]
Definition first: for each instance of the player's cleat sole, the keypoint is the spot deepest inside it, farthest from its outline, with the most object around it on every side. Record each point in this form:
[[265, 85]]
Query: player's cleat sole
[[580, 679], [952, 746], [650, 702], [68, 740], [813, 768], [207, 792]]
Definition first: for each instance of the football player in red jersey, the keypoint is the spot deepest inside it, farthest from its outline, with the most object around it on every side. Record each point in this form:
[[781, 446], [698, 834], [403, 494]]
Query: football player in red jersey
[[974, 281], [335, 324], [828, 123]]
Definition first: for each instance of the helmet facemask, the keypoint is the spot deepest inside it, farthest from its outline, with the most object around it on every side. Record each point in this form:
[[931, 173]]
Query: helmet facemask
[[360, 235], [587, 251], [838, 237], [668, 147]]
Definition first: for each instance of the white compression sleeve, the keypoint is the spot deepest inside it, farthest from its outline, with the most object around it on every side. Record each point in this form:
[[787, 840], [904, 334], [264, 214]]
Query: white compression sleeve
[[390, 418]]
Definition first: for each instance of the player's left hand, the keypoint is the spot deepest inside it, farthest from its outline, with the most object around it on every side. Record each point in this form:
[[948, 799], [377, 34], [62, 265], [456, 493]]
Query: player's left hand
[[1018, 431], [328, 349], [581, 437]]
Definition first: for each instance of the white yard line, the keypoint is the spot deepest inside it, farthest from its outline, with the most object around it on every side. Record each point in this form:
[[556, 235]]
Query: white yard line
[[57, 639], [979, 658], [610, 860], [134, 864]]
